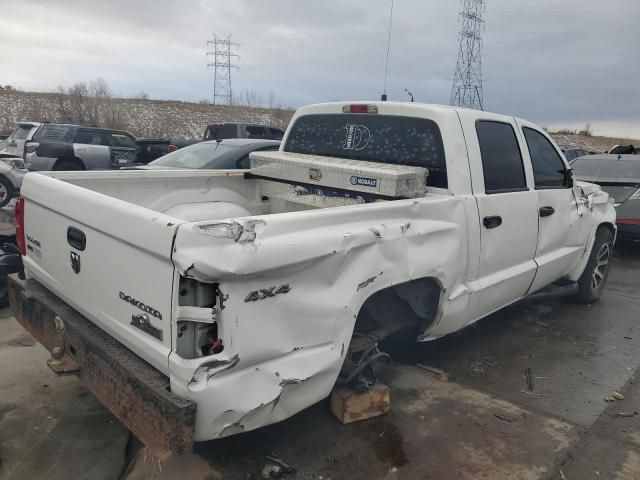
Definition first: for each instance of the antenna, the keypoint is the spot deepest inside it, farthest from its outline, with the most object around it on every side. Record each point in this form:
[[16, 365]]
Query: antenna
[[222, 63], [467, 81], [386, 65]]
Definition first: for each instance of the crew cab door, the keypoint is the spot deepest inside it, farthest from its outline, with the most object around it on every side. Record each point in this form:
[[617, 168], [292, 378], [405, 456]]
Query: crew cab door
[[123, 149], [93, 148], [507, 213], [562, 230]]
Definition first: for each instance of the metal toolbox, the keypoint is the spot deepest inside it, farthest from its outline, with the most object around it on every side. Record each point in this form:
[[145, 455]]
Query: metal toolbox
[[379, 179]]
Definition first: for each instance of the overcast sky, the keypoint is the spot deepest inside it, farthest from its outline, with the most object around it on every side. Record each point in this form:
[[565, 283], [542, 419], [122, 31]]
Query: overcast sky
[[554, 62]]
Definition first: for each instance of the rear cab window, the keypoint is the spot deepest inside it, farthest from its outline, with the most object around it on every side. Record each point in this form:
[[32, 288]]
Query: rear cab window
[[389, 139], [501, 157]]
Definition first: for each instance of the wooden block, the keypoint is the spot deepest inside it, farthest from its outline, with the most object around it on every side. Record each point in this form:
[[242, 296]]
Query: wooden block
[[351, 406]]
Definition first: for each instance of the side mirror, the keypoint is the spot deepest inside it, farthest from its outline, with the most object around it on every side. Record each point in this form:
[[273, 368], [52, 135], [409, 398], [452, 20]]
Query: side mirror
[[569, 177]]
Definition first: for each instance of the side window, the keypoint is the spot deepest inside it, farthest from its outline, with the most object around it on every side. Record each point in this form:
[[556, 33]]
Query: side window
[[21, 133], [121, 140], [548, 168], [276, 133], [92, 137], [256, 132], [501, 158], [570, 155], [245, 162]]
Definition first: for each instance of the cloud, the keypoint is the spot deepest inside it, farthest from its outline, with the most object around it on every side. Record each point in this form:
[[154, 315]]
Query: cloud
[[578, 60]]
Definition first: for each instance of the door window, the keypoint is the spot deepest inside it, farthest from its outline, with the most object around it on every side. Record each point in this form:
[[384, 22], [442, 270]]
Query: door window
[[121, 140], [92, 137], [276, 133], [501, 157], [256, 132], [548, 168]]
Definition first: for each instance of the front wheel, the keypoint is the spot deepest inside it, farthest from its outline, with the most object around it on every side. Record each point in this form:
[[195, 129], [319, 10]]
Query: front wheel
[[594, 277]]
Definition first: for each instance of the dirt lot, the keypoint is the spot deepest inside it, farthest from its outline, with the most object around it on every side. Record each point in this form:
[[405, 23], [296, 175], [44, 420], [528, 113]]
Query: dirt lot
[[483, 423]]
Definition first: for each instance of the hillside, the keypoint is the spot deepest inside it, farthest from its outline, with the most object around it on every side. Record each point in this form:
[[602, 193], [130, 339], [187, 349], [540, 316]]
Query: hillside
[[591, 143], [173, 119], [143, 118]]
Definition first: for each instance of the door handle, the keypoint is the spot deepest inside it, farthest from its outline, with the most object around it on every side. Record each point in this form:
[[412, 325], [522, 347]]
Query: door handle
[[547, 211], [492, 222]]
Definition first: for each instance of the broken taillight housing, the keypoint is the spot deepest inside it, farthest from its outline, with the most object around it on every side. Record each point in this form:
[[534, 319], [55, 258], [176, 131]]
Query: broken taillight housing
[[20, 236]]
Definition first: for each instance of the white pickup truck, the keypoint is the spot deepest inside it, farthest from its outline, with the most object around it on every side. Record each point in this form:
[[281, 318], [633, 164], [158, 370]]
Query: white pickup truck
[[200, 304]]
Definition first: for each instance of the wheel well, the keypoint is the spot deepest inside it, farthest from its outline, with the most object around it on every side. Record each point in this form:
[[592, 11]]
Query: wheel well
[[75, 160], [609, 226], [410, 304]]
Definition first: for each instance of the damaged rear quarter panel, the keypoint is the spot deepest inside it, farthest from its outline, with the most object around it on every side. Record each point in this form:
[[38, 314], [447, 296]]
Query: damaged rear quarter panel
[[289, 348]]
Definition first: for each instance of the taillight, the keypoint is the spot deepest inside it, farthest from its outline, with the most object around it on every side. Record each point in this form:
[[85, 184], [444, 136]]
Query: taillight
[[31, 147], [20, 237], [171, 148], [359, 109]]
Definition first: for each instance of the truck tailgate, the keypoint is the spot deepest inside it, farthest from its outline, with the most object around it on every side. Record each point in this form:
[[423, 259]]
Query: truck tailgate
[[108, 259]]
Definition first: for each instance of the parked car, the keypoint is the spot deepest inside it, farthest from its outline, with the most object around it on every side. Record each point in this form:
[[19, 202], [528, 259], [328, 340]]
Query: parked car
[[625, 150], [217, 302], [150, 149], [619, 176], [571, 153], [57, 146], [23, 133], [12, 172], [224, 154], [220, 131]]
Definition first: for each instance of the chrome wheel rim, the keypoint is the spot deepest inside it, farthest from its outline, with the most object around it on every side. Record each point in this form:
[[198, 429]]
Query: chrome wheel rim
[[3, 193], [602, 263]]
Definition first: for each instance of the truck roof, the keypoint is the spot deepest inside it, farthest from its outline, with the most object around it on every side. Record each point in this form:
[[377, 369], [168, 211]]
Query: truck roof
[[408, 107]]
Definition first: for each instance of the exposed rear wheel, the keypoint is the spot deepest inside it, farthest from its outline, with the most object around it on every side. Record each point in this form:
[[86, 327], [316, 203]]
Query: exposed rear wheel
[[594, 277]]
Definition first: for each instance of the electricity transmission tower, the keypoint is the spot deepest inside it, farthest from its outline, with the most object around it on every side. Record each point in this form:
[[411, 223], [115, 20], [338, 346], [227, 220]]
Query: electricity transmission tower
[[467, 81], [221, 58]]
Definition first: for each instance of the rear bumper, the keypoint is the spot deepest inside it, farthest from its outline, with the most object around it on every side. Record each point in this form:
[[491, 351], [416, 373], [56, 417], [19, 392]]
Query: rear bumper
[[135, 392]]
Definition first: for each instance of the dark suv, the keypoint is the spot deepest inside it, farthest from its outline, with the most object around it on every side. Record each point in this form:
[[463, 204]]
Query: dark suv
[[57, 146], [220, 131]]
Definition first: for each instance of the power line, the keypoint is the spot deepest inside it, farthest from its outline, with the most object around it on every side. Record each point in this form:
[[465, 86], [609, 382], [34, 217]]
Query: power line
[[467, 81], [222, 56]]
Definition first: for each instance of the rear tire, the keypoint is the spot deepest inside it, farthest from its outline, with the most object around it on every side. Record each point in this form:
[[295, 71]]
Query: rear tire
[[594, 277], [6, 191], [67, 166]]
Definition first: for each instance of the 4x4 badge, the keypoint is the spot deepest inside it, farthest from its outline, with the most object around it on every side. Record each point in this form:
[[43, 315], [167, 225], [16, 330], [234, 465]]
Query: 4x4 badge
[[75, 262]]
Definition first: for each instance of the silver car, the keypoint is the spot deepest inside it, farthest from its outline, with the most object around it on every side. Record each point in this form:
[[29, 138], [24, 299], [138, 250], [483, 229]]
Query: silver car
[[619, 176], [12, 172]]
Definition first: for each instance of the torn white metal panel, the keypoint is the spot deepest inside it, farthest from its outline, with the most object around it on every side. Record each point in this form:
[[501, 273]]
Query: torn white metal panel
[[331, 265]]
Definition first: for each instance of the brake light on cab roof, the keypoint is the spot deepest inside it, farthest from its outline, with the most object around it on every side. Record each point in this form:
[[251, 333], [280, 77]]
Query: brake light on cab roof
[[360, 109]]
